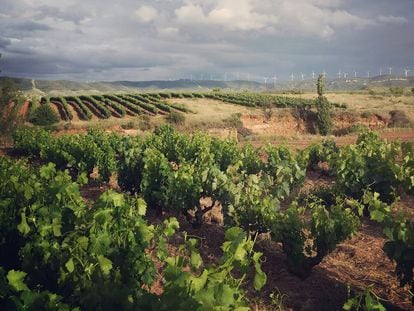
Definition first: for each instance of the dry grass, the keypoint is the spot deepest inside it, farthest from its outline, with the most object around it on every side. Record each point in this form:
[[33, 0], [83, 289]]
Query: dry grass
[[367, 102]]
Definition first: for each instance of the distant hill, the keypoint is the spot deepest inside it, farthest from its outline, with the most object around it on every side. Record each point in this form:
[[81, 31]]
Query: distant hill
[[61, 87], [55, 87], [350, 84]]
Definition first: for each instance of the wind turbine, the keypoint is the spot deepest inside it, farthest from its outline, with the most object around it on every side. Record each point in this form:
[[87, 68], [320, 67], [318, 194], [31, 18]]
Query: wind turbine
[[265, 81], [302, 75], [274, 81], [406, 71], [324, 73], [355, 73], [313, 74], [345, 75], [390, 70], [339, 74], [292, 77], [380, 71]]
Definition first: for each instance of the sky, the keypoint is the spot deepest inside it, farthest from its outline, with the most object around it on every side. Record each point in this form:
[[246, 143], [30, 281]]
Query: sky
[[102, 40]]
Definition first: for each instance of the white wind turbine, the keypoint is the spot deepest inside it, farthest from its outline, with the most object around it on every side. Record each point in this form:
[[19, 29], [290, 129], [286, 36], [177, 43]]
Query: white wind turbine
[[339, 74], [390, 70], [265, 81], [355, 73], [313, 74], [303, 76], [406, 71], [292, 77], [274, 81]]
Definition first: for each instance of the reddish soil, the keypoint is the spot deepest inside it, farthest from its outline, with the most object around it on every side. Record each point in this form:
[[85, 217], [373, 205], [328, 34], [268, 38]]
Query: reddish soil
[[23, 111]]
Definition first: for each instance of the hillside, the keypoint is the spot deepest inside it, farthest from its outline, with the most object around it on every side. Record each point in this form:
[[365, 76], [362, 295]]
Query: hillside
[[59, 87]]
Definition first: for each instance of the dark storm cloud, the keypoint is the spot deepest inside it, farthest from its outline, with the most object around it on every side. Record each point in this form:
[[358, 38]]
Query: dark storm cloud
[[106, 40], [30, 26]]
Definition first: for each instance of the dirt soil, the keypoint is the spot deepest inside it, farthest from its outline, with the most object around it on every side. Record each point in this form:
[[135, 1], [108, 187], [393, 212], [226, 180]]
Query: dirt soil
[[23, 110]]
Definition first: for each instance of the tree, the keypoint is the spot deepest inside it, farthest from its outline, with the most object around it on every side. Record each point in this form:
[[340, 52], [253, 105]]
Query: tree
[[324, 121]]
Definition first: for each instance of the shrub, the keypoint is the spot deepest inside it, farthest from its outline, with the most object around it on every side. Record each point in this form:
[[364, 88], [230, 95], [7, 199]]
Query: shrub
[[324, 121], [267, 109], [234, 121], [144, 123], [399, 119], [44, 115], [176, 117], [396, 91]]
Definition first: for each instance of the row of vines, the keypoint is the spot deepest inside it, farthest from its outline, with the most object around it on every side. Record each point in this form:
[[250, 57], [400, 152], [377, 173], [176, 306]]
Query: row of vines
[[119, 105], [170, 171]]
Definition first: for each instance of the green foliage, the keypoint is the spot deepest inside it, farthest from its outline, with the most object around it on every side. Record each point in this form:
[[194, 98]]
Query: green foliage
[[214, 287], [63, 255], [93, 258], [371, 163], [322, 152], [320, 85], [325, 225], [364, 301], [324, 121], [79, 153], [101, 108], [84, 112], [10, 93], [44, 115], [399, 230]]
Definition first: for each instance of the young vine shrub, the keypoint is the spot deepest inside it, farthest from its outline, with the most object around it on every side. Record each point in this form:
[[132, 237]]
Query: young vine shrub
[[371, 163], [62, 252], [324, 152], [324, 225], [31, 141], [399, 230], [406, 169], [213, 287], [44, 115], [80, 153], [157, 174]]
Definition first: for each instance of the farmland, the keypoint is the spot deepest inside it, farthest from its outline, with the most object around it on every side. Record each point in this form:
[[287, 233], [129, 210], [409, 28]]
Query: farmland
[[174, 218]]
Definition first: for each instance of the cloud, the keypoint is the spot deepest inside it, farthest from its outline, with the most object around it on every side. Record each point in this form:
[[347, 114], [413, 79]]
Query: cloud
[[190, 14], [390, 19], [146, 14], [100, 39], [293, 17]]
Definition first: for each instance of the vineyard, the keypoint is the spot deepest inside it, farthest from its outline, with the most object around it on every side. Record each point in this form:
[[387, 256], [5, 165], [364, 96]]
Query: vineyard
[[121, 105], [65, 252]]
